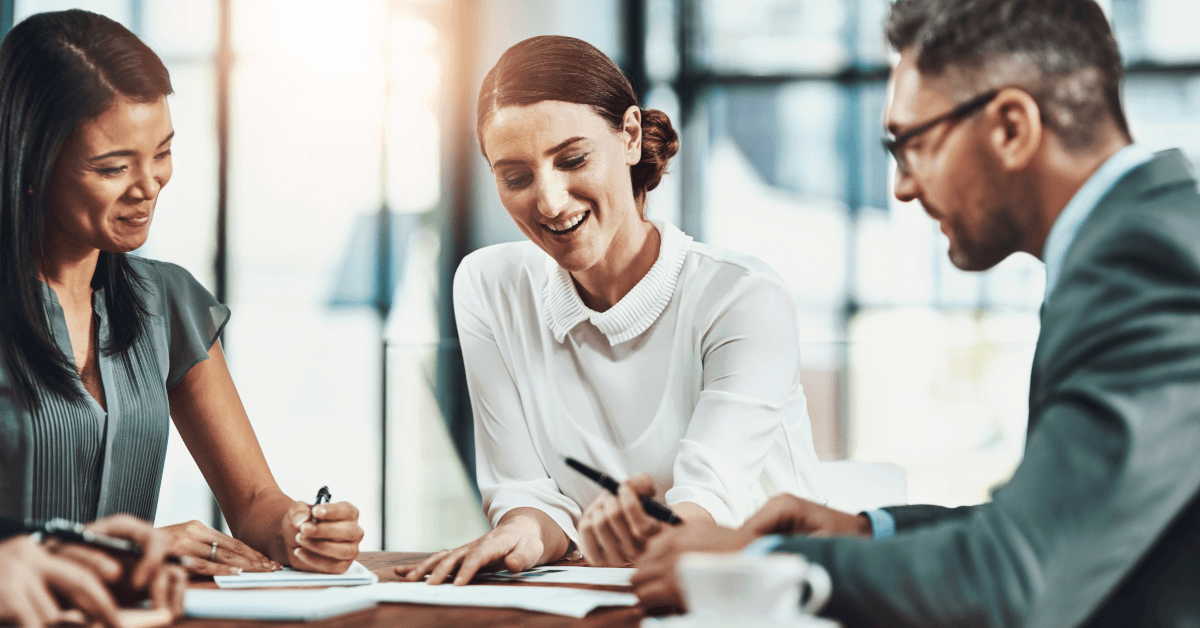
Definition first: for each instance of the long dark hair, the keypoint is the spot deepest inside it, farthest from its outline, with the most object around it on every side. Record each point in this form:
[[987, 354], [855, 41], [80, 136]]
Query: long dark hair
[[58, 70], [571, 70]]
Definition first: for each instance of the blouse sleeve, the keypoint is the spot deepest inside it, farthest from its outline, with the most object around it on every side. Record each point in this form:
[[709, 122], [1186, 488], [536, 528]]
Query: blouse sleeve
[[508, 469], [193, 317], [750, 399]]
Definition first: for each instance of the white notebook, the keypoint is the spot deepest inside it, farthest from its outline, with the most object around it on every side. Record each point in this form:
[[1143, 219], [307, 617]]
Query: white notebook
[[356, 575], [291, 605], [558, 600]]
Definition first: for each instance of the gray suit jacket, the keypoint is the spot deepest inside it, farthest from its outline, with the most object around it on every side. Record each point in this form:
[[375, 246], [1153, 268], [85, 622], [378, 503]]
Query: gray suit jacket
[[1098, 525]]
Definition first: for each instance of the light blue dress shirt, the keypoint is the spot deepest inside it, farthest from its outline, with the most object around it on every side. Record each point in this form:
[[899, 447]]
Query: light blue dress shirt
[[1054, 253], [1066, 226]]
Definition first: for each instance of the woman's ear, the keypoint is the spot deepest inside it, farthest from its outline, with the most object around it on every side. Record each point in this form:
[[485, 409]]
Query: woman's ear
[[631, 131]]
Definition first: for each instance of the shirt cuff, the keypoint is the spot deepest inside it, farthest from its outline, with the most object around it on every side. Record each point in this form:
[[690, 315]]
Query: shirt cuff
[[763, 546], [883, 524]]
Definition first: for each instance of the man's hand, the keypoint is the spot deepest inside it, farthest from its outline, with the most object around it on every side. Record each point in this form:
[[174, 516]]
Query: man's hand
[[655, 582], [788, 514]]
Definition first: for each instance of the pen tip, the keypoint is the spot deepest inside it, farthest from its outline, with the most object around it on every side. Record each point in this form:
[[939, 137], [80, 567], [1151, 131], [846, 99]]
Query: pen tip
[[562, 457]]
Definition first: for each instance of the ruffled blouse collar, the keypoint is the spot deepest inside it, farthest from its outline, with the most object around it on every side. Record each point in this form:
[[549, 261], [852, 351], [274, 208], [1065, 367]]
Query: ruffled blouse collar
[[636, 311]]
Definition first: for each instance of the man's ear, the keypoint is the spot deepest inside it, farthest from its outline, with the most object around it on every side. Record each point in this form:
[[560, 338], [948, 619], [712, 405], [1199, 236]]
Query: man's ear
[[1016, 129], [631, 131]]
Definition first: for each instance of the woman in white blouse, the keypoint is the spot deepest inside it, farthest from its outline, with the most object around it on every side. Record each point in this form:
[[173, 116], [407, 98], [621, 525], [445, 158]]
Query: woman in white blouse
[[609, 338]]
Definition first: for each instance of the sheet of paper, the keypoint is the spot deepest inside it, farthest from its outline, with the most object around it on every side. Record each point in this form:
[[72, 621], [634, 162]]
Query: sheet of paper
[[558, 600], [356, 575], [289, 604], [612, 576]]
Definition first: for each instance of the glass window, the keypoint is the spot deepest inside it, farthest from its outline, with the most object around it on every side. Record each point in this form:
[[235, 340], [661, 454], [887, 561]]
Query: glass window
[[773, 36], [1164, 111], [1168, 30]]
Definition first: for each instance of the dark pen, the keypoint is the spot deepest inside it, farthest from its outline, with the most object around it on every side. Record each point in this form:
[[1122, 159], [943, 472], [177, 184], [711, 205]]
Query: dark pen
[[323, 497], [73, 532], [653, 508]]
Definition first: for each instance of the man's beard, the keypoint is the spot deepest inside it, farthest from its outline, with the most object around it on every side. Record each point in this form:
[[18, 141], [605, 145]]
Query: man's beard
[[1001, 237]]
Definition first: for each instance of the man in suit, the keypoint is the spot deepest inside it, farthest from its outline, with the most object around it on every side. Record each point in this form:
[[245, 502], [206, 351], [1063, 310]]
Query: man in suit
[[1006, 123]]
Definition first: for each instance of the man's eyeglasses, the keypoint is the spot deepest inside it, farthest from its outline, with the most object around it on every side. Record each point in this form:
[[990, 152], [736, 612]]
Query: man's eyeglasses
[[894, 144]]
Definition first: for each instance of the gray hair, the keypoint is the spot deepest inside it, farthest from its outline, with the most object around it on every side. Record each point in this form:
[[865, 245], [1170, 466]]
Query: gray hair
[[1060, 51]]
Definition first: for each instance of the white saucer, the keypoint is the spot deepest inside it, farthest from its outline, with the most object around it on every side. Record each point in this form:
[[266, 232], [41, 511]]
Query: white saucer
[[690, 621]]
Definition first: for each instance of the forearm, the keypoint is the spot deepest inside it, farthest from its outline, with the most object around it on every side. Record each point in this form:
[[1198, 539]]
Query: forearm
[[259, 523], [691, 512], [538, 524]]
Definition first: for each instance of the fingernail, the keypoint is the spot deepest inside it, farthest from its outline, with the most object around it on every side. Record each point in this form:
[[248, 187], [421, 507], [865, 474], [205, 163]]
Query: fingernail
[[237, 571], [308, 528], [299, 519], [318, 511], [296, 551], [298, 537]]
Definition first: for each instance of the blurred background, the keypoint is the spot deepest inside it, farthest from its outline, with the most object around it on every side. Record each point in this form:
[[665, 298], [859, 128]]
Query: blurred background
[[327, 183]]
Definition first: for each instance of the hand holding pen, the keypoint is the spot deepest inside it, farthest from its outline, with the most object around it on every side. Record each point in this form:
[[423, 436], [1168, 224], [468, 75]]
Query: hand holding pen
[[85, 567], [615, 527], [324, 536]]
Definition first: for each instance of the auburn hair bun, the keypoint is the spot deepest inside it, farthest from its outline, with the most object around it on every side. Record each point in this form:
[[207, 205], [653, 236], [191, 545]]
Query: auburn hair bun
[[660, 142]]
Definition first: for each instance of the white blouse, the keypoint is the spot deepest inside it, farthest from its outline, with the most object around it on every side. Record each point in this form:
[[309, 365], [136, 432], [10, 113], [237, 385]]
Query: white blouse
[[693, 378]]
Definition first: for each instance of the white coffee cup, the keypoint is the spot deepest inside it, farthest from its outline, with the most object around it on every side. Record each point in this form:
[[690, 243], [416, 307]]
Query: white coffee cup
[[731, 589]]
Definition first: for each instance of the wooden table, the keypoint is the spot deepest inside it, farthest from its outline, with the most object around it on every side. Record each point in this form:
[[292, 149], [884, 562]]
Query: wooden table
[[417, 615]]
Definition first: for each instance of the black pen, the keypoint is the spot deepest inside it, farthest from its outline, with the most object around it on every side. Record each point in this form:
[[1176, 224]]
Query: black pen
[[323, 497], [73, 532], [653, 508]]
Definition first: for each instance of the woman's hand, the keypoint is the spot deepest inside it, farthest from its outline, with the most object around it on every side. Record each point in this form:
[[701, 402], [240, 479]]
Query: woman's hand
[[195, 540], [322, 538], [614, 529], [516, 544], [32, 577]]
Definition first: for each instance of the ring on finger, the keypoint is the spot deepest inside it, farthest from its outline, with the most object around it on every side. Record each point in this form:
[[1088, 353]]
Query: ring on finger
[[212, 556]]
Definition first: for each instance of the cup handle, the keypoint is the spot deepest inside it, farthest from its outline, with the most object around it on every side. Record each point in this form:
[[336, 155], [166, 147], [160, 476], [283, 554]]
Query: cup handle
[[820, 586]]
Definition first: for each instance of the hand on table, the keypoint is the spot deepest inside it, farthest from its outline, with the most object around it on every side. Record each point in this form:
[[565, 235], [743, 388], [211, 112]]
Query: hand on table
[[515, 544], [195, 541], [322, 538], [613, 530], [788, 514], [655, 583]]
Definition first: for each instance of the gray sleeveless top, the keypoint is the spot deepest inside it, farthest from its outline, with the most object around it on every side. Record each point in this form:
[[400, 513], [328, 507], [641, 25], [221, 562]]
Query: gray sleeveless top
[[73, 459]]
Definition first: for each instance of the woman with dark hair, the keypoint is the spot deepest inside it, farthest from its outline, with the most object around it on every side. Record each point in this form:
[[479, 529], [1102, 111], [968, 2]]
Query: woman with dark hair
[[610, 338], [101, 349]]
